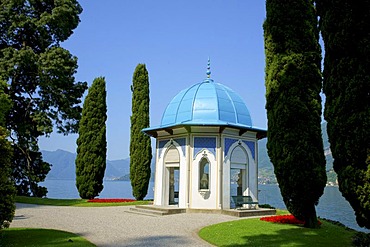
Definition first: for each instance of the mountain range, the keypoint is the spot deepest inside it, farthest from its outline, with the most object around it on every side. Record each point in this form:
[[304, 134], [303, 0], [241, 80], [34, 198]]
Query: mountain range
[[63, 166], [63, 163]]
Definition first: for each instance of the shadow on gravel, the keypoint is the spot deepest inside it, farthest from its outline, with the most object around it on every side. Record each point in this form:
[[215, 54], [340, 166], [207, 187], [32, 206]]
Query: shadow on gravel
[[157, 241], [20, 217], [25, 205]]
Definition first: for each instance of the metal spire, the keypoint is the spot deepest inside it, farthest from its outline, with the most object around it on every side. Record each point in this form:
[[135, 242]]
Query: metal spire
[[209, 68]]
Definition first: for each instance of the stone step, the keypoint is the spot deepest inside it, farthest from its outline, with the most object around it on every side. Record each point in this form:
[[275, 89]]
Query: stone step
[[157, 210], [152, 210], [250, 212], [146, 212]]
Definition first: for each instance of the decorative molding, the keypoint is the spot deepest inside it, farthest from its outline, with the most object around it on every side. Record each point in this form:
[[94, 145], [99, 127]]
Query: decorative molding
[[250, 144], [161, 145], [188, 128], [169, 131], [228, 143], [252, 147], [180, 141], [208, 143], [204, 193], [241, 132]]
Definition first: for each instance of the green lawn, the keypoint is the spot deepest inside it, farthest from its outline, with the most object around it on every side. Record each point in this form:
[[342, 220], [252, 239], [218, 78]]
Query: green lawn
[[246, 232], [73, 202], [14, 237], [30, 237], [254, 232]]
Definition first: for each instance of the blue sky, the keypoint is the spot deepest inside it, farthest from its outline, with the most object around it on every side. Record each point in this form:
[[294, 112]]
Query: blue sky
[[174, 39]]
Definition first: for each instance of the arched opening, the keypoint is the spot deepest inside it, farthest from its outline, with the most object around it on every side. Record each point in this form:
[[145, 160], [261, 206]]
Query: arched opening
[[204, 174], [238, 173], [172, 183]]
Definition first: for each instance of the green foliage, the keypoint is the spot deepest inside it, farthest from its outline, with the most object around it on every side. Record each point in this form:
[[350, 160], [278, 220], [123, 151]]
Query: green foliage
[[5, 103], [332, 176], [140, 145], [30, 237], [40, 75], [361, 239], [293, 104], [346, 33], [92, 143], [7, 190], [28, 170]]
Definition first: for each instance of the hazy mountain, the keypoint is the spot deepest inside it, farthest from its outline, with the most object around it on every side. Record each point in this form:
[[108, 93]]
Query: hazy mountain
[[63, 166], [263, 158]]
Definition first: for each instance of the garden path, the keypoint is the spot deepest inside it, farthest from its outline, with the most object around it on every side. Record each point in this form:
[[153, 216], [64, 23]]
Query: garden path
[[116, 226]]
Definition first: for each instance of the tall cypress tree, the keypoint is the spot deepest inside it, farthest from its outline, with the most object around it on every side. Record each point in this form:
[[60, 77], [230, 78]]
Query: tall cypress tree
[[293, 103], [7, 190], [92, 144], [345, 30], [140, 145]]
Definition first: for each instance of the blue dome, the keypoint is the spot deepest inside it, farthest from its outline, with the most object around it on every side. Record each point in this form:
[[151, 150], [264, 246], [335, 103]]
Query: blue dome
[[207, 103]]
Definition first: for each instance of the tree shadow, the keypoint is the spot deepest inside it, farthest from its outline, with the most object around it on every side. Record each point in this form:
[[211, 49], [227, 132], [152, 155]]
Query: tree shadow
[[19, 205], [302, 237], [156, 241]]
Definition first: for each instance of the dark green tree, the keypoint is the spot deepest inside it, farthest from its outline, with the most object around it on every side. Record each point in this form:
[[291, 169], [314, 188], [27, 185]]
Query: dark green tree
[[345, 28], [35, 174], [7, 190], [41, 78], [293, 104], [91, 142], [140, 145]]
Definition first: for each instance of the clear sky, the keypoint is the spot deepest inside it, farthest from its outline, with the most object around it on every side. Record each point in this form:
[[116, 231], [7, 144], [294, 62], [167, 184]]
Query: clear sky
[[174, 39]]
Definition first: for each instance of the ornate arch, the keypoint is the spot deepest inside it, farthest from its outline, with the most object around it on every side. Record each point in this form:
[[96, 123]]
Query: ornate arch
[[166, 147]]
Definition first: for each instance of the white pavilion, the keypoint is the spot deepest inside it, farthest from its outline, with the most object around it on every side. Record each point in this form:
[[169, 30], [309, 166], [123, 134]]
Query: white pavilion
[[206, 149]]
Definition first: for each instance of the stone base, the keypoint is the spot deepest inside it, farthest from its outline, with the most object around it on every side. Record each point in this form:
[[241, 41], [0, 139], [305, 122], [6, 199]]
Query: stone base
[[249, 212], [167, 210]]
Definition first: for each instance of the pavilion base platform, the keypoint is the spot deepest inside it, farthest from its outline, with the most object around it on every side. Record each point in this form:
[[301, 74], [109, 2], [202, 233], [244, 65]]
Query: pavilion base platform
[[157, 210], [249, 212], [168, 210]]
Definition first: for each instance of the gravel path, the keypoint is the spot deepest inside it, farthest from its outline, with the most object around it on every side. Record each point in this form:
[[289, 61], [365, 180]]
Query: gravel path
[[116, 226]]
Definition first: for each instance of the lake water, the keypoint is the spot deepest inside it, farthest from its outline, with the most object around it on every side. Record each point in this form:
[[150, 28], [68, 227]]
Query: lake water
[[331, 206]]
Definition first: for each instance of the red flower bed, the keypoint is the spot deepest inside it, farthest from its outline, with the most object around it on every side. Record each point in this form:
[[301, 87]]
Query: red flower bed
[[284, 219], [110, 200]]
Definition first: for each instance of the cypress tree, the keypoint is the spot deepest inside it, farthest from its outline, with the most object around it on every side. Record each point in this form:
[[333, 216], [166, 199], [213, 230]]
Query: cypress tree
[[140, 145], [293, 104], [91, 143], [7, 190], [345, 30]]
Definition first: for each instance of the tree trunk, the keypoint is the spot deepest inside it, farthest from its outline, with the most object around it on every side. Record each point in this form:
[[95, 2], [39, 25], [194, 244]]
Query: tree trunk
[[311, 218]]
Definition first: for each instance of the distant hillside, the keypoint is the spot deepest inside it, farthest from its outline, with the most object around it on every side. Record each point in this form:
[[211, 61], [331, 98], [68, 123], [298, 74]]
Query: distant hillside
[[63, 166]]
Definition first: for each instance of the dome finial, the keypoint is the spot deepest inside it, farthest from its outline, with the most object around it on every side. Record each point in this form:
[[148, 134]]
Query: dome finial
[[209, 68]]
